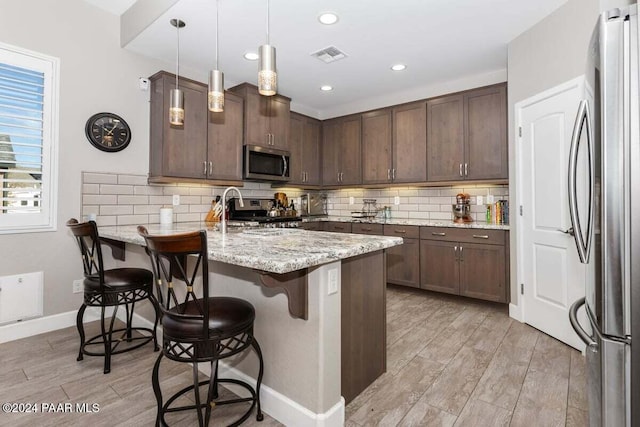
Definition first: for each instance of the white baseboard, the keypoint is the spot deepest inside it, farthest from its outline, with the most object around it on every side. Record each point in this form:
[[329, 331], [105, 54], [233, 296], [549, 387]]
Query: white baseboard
[[40, 325], [279, 406], [515, 312]]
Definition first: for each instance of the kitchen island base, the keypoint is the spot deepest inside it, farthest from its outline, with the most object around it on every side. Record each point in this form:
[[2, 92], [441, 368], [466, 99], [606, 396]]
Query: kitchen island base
[[313, 366]]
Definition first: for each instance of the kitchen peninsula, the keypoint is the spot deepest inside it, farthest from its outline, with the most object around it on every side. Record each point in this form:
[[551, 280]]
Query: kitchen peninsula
[[324, 338]]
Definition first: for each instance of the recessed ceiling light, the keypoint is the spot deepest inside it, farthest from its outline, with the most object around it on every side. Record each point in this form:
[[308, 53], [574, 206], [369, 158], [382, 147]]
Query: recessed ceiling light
[[326, 88], [328, 18], [398, 67], [251, 56]]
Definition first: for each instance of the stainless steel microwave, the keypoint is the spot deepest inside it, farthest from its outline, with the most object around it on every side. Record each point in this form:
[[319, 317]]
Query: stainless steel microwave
[[266, 164]]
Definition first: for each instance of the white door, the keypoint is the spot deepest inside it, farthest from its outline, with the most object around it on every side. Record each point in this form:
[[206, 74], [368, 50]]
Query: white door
[[548, 264]]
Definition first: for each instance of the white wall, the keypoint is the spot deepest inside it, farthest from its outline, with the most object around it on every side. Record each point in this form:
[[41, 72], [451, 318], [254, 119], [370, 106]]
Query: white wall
[[549, 53], [95, 75]]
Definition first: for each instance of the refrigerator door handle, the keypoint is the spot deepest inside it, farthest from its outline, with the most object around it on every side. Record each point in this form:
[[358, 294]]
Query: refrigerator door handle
[[575, 324], [582, 124]]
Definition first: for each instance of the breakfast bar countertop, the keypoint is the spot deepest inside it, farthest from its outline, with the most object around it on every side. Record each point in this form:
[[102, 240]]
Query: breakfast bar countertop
[[274, 250]]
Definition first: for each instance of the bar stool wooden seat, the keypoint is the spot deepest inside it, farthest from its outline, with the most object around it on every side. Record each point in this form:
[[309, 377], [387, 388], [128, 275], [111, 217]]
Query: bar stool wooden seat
[[206, 329], [111, 288]]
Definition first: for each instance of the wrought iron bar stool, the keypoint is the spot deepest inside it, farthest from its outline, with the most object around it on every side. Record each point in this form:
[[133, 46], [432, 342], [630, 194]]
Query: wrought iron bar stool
[[197, 330], [111, 288]]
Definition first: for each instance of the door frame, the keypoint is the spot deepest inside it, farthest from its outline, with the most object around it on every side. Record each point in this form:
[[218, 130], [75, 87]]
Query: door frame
[[517, 310]]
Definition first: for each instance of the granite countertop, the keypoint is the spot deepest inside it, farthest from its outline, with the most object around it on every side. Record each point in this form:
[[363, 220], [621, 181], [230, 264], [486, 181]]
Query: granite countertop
[[405, 221], [274, 250]]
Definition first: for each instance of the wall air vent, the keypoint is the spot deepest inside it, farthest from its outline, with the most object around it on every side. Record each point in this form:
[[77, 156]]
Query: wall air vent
[[329, 54]]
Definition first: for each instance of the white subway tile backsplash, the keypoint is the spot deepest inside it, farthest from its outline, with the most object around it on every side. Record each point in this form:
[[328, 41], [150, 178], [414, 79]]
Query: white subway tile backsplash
[[116, 210], [132, 219], [128, 199], [133, 200], [146, 209], [107, 220], [147, 190], [95, 199], [185, 217], [161, 200], [99, 178], [441, 215], [419, 215], [90, 188], [132, 179], [200, 191], [116, 189]]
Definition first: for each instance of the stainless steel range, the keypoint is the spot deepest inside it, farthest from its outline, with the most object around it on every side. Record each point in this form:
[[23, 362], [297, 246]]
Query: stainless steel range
[[265, 212]]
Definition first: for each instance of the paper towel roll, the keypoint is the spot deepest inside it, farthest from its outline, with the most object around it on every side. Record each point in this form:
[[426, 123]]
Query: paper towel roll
[[166, 216]]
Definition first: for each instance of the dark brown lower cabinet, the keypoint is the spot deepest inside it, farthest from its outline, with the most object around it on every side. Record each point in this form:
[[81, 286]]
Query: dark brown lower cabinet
[[439, 267], [338, 227], [482, 271], [313, 226], [403, 262], [363, 323], [451, 261]]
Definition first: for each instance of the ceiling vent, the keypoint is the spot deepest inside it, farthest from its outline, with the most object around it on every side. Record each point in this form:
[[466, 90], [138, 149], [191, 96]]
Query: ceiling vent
[[329, 54]]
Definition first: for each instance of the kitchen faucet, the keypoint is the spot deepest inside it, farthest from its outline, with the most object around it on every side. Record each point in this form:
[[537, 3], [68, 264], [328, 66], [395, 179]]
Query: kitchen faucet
[[223, 221]]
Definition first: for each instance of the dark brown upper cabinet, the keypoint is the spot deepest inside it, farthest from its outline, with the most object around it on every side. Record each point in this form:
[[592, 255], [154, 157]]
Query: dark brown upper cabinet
[[341, 151], [377, 160], [394, 144], [304, 144], [266, 118], [208, 147], [467, 136], [410, 143]]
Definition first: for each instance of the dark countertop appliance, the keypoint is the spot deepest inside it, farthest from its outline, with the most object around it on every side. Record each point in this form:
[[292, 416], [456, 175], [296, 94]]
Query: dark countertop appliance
[[258, 210]]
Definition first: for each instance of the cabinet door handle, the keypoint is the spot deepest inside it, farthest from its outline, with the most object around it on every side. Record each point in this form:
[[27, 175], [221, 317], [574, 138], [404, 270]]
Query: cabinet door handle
[[461, 257], [480, 236], [438, 234], [455, 252], [204, 171], [210, 168], [400, 231], [460, 168], [388, 174], [466, 169], [393, 174]]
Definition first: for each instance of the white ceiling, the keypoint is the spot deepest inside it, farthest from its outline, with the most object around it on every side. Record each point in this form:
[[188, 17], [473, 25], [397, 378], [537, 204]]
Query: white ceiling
[[439, 41]]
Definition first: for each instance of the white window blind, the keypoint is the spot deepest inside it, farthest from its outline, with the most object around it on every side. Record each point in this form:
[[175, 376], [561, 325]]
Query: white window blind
[[28, 134]]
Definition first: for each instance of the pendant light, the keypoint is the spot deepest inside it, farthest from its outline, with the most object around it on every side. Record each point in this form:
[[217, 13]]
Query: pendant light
[[216, 79], [267, 76], [176, 96]]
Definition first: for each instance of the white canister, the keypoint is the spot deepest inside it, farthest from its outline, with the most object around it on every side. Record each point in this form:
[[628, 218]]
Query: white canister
[[166, 216]]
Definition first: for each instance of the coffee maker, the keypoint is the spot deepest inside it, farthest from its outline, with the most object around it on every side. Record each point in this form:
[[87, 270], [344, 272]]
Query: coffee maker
[[462, 209]]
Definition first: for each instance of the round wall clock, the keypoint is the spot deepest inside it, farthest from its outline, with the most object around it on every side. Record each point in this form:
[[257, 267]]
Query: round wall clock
[[108, 132]]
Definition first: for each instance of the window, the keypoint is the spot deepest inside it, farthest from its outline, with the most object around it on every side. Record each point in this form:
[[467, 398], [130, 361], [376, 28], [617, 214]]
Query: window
[[28, 140]]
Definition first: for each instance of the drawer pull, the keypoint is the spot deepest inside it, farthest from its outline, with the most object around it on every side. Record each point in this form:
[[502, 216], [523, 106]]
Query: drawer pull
[[400, 231], [337, 227], [367, 229], [438, 234], [480, 236]]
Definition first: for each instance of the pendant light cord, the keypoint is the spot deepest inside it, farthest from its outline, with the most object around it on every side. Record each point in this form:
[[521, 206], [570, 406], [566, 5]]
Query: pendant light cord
[[268, 17], [217, 32], [177, 51]]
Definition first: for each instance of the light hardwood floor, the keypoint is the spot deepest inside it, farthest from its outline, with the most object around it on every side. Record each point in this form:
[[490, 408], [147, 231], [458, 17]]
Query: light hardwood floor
[[451, 361]]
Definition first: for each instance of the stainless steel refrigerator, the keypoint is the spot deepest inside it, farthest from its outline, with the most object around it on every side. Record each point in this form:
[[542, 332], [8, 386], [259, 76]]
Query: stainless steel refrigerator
[[607, 231]]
